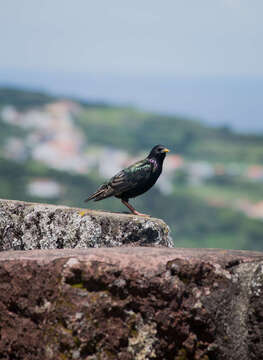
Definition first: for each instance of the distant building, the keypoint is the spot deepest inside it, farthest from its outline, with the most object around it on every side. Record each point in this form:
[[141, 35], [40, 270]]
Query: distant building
[[54, 139], [256, 210], [62, 108], [111, 161], [9, 115], [255, 172], [173, 162], [199, 171], [15, 149], [44, 188]]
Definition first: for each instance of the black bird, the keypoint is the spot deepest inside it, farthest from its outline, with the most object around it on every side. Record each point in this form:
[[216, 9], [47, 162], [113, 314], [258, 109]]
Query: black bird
[[133, 180]]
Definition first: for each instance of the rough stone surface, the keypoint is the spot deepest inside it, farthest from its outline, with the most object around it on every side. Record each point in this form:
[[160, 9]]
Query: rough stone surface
[[131, 303], [27, 226]]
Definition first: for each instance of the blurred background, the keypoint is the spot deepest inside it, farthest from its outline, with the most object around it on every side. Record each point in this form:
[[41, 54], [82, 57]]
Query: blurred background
[[86, 88]]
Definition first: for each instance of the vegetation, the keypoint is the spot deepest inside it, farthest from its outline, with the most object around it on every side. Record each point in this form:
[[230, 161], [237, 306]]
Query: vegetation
[[194, 223], [22, 99], [134, 130], [129, 129]]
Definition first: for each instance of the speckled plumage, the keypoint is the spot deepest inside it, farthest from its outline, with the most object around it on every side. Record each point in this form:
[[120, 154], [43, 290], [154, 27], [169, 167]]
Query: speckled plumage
[[133, 180]]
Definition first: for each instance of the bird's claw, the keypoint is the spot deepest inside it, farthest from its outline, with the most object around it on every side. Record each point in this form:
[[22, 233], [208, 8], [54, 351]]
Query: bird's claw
[[140, 214]]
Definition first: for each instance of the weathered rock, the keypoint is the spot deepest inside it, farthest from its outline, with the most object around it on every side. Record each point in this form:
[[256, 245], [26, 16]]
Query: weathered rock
[[26, 226], [131, 303]]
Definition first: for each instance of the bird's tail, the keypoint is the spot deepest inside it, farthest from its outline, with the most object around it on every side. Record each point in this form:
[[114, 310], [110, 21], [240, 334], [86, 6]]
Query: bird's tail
[[103, 192]]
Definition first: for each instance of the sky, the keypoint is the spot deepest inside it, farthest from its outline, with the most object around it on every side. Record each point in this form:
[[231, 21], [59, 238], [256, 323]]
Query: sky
[[220, 37], [142, 39]]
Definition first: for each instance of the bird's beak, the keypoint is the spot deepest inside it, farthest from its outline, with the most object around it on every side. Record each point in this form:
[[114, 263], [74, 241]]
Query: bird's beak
[[165, 150]]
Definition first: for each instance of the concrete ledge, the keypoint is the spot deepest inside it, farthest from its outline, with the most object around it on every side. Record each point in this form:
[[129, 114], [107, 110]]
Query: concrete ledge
[[26, 226], [131, 303]]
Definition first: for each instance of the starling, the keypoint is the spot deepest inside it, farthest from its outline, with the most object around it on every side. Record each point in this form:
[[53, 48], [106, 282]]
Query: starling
[[133, 180]]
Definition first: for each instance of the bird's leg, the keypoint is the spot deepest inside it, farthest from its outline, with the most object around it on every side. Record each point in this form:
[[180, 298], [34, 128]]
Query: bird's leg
[[135, 212]]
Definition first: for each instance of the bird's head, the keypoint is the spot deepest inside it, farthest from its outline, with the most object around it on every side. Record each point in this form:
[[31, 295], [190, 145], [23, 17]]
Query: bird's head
[[158, 152]]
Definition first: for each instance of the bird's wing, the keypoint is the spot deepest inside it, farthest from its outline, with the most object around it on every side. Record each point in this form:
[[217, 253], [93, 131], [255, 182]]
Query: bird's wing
[[131, 177], [127, 179]]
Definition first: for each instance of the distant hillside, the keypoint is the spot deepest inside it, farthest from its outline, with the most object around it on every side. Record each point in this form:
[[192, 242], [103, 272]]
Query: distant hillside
[[218, 101], [134, 130], [62, 150], [23, 99]]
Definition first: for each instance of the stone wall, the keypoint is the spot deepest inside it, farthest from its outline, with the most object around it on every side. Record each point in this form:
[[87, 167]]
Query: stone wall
[[131, 303], [27, 226], [121, 303]]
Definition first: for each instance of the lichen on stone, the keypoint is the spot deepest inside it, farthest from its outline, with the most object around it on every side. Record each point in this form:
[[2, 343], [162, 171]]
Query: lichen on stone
[[26, 226], [142, 340]]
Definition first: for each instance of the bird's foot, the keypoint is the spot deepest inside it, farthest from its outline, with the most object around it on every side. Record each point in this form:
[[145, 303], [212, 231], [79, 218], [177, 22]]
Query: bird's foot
[[140, 214], [131, 208]]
